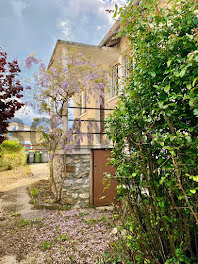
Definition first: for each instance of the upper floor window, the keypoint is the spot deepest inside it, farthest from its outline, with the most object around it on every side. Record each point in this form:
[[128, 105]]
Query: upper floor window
[[128, 64], [125, 66], [114, 81], [82, 102]]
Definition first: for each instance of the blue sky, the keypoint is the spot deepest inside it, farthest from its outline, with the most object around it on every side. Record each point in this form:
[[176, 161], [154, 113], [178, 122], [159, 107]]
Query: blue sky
[[33, 26]]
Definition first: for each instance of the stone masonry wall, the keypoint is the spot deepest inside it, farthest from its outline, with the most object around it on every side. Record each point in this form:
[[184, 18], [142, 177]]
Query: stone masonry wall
[[76, 184]]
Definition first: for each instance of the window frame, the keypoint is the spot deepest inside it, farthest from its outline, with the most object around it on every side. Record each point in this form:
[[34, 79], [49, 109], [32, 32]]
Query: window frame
[[82, 103], [114, 84]]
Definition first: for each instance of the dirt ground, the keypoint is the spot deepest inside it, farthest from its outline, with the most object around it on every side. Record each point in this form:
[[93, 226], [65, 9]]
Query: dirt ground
[[24, 175], [30, 236]]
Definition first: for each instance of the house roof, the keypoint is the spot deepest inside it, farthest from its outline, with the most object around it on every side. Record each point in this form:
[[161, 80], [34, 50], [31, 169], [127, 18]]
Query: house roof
[[101, 55], [104, 46], [112, 32]]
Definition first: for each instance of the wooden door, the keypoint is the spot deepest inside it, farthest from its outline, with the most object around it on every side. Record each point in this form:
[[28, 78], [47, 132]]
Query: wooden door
[[100, 159]]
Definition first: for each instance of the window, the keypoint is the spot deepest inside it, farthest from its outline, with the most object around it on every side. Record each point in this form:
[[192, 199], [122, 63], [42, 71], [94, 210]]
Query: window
[[126, 66], [114, 81], [82, 103]]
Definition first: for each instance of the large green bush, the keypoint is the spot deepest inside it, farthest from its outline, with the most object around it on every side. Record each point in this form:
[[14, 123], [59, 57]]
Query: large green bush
[[12, 154], [154, 131]]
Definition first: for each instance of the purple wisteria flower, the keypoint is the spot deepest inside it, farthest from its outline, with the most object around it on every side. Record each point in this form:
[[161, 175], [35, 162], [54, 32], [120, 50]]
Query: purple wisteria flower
[[29, 61], [51, 156]]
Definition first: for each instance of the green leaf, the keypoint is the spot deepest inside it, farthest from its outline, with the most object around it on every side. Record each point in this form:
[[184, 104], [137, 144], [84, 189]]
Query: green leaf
[[128, 244], [193, 191], [163, 179], [194, 81], [180, 197], [195, 178], [166, 218], [116, 10], [182, 73], [153, 74], [189, 139], [190, 57], [129, 237], [155, 86], [189, 86], [195, 112], [186, 97], [167, 88], [161, 204], [169, 63]]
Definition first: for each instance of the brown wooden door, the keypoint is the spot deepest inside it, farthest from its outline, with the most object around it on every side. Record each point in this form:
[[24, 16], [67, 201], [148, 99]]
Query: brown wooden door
[[100, 159]]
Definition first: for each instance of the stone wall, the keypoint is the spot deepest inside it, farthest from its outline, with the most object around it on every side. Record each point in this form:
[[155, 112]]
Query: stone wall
[[75, 191]]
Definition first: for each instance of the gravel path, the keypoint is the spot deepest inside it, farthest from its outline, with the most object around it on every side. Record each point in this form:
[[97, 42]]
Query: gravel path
[[13, 196]]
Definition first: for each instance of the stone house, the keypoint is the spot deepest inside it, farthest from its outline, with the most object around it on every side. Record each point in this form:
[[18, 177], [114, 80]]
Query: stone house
[[78, 189], [87, 164]]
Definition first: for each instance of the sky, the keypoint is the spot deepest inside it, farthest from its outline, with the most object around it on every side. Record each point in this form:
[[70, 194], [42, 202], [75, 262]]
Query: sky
[[34, 26]]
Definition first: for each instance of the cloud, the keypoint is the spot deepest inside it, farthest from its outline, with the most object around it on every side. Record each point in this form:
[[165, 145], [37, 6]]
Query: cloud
[[26, 114], [65, 29], [88, 20], [99, 28], [34, 26]]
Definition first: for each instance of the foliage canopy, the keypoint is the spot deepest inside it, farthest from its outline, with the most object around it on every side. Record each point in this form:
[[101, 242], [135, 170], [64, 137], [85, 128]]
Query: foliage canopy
[[10, 91], [154, 132]]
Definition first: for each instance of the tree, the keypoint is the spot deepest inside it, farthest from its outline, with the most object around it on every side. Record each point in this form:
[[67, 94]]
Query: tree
[[10, 89], [154, 131]]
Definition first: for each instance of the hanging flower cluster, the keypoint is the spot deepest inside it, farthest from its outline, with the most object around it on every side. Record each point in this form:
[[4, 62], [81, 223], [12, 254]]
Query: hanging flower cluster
[[67, 76]]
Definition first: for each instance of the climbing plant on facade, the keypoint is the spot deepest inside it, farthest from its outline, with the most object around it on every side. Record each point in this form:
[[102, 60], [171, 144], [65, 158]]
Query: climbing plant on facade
[[68, 75], [154, 131]]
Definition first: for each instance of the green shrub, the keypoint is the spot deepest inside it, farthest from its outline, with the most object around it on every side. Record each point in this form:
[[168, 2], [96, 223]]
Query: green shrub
[[11, 146], [12, 154], [155, 136]]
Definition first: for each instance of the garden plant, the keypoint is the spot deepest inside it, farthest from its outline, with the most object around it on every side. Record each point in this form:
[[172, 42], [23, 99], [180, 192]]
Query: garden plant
[[154, 132], [12, 154]]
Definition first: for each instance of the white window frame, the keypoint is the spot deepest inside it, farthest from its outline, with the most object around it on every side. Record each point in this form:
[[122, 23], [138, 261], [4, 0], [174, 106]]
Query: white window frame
[[114, 81], [82, 103]]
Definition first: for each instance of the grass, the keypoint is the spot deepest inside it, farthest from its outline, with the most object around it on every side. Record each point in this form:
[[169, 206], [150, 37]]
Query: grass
[[34, 192], [46, 245], [82, 214], [61, 238], [23, 222], [91, 221], [40, 193]]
